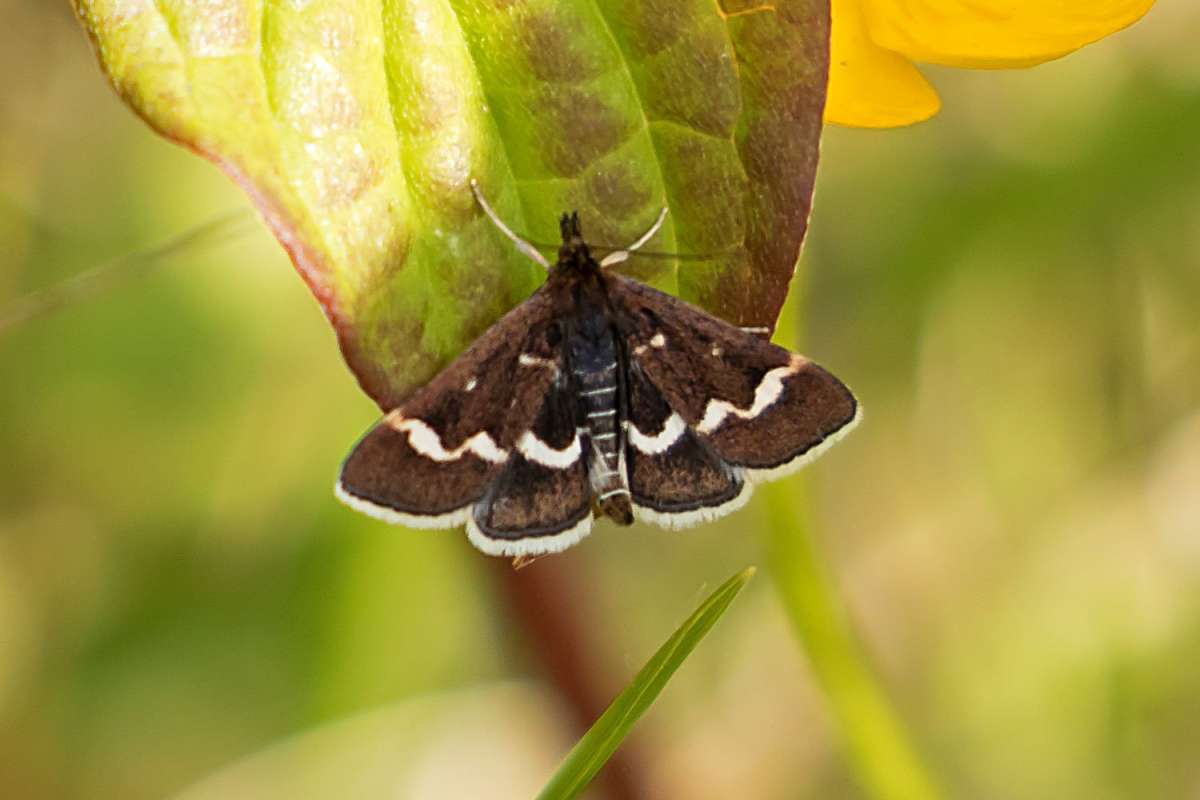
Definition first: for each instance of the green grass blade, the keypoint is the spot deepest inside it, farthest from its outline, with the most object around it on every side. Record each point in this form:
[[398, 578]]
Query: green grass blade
[[592, 751]]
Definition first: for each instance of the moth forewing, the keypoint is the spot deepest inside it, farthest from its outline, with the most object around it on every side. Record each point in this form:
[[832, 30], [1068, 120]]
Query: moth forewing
[[759, 406], [427, 463]]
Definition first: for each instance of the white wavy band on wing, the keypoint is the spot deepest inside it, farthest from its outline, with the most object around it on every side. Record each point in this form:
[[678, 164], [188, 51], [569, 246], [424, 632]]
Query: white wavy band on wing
[[539, 452], [767, 392], [660, 442], [426, 441], [526, 360]]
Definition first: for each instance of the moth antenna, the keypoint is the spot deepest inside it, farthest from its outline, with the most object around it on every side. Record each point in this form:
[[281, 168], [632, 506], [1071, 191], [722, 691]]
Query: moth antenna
[[666, 256], [522, 245], [617, 256]]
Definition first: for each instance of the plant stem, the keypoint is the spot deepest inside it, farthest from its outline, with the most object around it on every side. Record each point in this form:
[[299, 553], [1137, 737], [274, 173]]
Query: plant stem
[[885, 760], [548, 602], [102, 277]]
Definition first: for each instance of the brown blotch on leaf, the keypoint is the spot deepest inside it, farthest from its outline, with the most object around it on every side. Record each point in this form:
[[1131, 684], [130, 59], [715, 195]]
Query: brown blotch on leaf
[[699, 90], [714, 171], [580, 128], [651, 26], [551, 49], [769, 143], [618, 191]]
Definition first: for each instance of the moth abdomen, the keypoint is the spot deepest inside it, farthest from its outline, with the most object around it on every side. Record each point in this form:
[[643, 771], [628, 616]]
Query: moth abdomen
[[617, 506], [596, 374]]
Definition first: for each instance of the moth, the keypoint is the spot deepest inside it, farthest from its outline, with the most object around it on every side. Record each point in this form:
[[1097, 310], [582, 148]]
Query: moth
[[597, 396]]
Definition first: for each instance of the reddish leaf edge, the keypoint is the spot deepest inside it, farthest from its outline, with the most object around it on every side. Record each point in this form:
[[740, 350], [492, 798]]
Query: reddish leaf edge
[[305, 261]]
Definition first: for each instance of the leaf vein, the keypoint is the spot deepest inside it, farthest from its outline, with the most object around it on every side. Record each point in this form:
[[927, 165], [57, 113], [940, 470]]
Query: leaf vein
[[669, 229]]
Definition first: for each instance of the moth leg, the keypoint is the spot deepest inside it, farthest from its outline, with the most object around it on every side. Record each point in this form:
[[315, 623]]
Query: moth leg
[[617, 256], [522, 245]]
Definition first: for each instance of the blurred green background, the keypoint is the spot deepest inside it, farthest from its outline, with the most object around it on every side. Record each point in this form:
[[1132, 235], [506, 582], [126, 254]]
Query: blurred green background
[[1013, 290]]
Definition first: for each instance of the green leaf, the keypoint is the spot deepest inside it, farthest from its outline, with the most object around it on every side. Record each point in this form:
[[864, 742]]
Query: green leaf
[[597, 745], [355, 127]]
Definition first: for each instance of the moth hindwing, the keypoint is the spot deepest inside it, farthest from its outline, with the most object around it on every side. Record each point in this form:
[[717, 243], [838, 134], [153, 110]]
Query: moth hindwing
[[597, 396]]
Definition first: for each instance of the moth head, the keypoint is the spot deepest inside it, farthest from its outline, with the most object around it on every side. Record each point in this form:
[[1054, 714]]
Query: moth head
[[574, 251]]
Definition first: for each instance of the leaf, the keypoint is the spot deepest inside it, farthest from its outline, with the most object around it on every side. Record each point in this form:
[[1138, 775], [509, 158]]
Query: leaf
[[355, 128], [592, 751]]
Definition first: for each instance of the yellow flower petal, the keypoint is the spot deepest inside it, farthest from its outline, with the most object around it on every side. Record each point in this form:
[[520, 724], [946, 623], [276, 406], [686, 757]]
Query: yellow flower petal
[[995, 34], [870, 87]]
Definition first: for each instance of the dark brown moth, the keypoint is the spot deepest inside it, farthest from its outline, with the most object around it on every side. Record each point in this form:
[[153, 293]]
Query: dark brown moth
[[597, 396]]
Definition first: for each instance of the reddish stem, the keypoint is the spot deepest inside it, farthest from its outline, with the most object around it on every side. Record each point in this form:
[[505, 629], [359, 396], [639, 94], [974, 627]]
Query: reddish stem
[[548, 601]]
